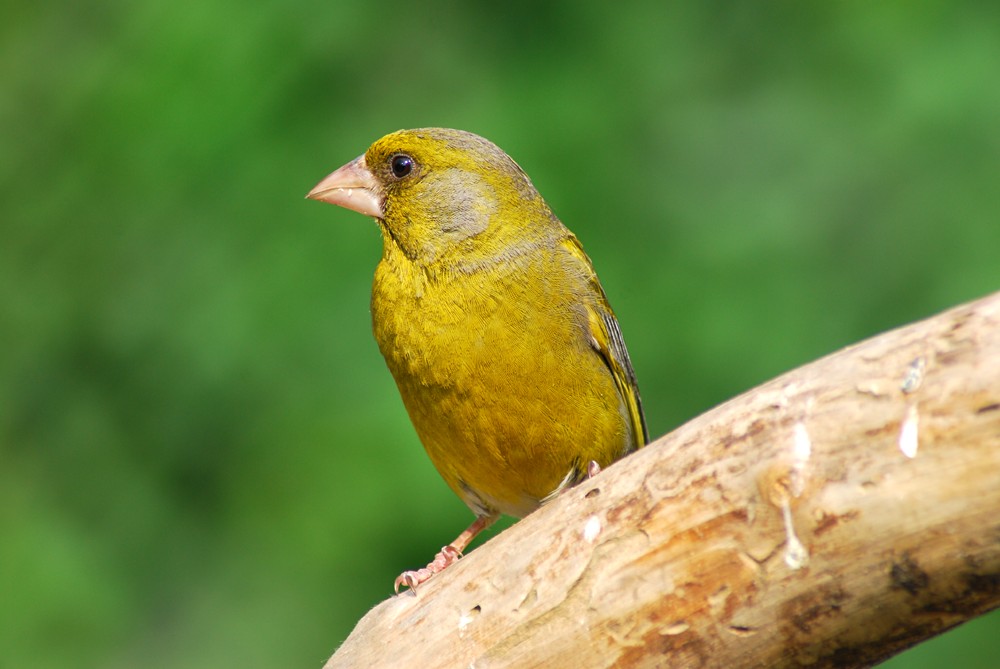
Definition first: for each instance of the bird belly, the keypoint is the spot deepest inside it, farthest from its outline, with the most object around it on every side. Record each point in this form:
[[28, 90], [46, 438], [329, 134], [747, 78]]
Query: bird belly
[[506, 395]]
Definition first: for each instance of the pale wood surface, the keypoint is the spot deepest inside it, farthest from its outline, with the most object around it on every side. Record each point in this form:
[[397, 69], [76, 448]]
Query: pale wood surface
[[882, 459]]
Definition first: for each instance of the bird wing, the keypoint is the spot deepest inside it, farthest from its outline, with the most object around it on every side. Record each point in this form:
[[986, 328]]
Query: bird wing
[[606, 338]]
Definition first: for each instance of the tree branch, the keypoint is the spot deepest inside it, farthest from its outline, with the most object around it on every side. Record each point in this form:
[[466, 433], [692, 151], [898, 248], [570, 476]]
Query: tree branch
[[832, 517]]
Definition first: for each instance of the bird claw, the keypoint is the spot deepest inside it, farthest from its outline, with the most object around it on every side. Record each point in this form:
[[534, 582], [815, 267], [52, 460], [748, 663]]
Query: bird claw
[[446, 557]]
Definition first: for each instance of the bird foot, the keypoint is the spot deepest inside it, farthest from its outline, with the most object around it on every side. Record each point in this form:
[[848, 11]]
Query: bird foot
[[593, 469], [446, 557]]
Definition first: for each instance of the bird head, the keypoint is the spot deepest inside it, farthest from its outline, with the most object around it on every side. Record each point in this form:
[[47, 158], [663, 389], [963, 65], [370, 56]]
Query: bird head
[[440, 194]]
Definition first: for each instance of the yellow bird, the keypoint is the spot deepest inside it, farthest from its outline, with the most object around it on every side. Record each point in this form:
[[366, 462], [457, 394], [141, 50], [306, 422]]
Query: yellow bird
[[491, 319]]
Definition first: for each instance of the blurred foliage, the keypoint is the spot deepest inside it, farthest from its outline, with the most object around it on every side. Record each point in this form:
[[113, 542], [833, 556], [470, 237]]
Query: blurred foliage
[[203, 461]]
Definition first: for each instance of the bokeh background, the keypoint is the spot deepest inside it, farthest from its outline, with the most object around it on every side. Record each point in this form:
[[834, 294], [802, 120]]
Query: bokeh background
[[203, 460]]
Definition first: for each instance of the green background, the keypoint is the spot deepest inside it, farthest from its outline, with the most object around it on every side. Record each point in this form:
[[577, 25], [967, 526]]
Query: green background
[[203, 460]]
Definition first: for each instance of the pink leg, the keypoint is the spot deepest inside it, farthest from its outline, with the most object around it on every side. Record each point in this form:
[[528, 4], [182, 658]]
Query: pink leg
[[446, 556]]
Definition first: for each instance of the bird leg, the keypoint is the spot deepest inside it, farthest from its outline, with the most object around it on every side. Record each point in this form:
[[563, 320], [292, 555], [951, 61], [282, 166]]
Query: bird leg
[[446, 556]]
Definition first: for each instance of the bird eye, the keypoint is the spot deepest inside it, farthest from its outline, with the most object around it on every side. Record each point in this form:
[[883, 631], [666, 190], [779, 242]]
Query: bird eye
[[401, 165]]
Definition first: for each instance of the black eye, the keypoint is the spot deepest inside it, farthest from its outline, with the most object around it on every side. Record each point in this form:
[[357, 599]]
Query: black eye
[[401, 165]]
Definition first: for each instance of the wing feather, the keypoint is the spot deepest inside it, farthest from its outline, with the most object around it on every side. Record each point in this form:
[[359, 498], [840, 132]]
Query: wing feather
[[606, 339]]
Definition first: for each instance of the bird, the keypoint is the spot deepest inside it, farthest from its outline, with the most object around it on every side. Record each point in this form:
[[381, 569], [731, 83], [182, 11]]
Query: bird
[[507, 355]]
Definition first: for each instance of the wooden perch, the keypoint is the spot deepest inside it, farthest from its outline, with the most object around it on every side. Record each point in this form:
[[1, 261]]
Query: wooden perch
[[831, 518]]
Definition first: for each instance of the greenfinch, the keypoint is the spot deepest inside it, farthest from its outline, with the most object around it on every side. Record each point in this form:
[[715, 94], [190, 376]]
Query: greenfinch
[[490, 317]]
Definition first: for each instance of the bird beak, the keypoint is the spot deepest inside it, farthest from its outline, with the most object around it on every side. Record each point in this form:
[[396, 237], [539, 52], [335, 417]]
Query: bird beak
[[353, 187]]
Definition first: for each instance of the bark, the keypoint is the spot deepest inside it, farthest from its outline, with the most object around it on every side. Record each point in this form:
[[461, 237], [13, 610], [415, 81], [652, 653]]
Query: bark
[[831, 518]]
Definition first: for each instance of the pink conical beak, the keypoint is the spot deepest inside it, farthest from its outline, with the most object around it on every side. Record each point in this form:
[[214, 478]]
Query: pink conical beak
[[353, 187]]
